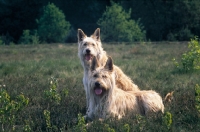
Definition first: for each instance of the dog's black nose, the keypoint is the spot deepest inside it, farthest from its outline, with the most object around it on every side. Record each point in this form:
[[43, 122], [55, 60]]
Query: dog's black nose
[[87, 51], [97, 84]]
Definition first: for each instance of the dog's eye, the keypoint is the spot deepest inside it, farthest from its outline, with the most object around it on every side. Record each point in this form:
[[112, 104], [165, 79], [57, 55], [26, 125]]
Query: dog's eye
[[95, 75], [93, 44], [104, 76], [85, 44]]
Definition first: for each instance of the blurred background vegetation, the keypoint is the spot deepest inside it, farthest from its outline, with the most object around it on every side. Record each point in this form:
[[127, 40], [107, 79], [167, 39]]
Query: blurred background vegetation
[[158, 20]]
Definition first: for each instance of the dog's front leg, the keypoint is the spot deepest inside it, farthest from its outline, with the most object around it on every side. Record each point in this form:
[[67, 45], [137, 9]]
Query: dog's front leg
[[90, 113], [85, 83]]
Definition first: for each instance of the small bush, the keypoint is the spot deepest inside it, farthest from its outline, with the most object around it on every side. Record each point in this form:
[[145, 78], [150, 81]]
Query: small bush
[[52, 94], [1, 41], [6, 39], [171, 37], [116, 25], [191, 59], [52, 26], [81, 126], [9, 109], [29, 37], [167, 120], [184, 34], [72, 36]]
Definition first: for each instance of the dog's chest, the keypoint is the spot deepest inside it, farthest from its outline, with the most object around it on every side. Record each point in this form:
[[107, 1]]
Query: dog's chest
[[85, 80]]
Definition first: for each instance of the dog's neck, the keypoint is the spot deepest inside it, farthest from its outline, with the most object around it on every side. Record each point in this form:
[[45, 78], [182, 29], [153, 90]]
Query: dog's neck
[[101, 57], [103, 102]]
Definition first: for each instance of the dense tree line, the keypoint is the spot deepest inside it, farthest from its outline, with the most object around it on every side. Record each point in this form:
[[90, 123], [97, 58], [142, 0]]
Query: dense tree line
[[167, 19], [162, 19]]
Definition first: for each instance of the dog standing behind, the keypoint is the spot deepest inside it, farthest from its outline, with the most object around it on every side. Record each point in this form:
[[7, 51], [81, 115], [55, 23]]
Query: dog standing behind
[[90, 47], [106, 99]]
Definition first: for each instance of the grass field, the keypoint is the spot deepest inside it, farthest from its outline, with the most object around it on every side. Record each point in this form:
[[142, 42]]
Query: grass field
[[34, 70]]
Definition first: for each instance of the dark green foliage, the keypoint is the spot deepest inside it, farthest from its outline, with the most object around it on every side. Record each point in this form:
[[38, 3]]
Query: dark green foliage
[[116, 25], [52, 26], [162, 19], [184, 34], [166, 18], [16, 16], [1, 41]]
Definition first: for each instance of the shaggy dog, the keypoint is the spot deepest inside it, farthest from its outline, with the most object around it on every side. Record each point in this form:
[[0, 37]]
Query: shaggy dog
[[90, 47], [106, 99]]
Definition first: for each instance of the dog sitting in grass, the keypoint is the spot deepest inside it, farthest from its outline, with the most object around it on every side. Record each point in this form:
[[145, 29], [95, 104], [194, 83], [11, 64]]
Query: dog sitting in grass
[[107, 100]]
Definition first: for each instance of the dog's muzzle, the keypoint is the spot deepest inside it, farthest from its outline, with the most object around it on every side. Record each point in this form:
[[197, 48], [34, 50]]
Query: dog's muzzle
[[88, 57], [97, 89]]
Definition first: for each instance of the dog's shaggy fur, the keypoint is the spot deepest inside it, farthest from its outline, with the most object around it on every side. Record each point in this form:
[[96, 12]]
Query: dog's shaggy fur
[[90, 47], [106, 99]]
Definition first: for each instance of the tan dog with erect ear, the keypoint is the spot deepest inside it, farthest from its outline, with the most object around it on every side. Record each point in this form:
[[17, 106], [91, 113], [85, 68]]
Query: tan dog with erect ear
[[107, 100]]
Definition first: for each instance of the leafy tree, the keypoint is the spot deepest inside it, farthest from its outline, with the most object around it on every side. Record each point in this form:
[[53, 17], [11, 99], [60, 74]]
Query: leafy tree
[[52, 26], [117, 25]]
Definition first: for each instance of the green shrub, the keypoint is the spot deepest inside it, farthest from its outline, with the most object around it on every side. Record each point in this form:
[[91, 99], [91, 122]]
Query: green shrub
[[126, 128], [52, 26], [171, 37], [35, 38], [53, 97], [47, 118], [184, 34], [26, 37], [29, 37], [27, 127], [1, 41], [81, 126], [191, 59], [116, 25], [167, 120], [72, 36], [9, 109], [52, 94]]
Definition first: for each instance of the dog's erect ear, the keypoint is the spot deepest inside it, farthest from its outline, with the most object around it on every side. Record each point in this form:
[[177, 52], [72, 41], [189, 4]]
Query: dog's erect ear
[[95, 63], [81, 35], [96, 34], [109, 64]]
